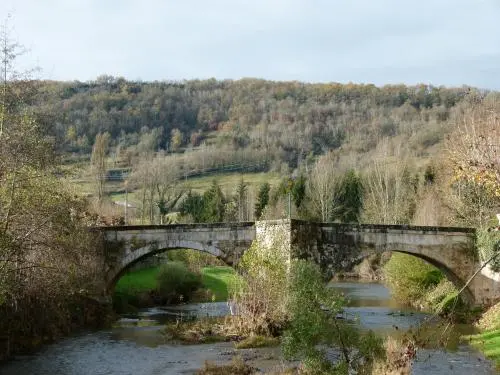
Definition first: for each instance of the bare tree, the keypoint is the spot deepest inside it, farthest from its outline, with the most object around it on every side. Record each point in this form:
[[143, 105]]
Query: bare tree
[[322, 184], [157, 178], [474, 148], [98, 163], [388, 192], [166, 176]]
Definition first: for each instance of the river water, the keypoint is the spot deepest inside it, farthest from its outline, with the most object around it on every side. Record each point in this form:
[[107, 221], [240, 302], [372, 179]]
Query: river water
[[136, 347]]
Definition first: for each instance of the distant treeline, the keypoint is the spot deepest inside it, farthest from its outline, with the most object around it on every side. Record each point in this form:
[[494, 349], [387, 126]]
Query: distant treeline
[[289, 119]]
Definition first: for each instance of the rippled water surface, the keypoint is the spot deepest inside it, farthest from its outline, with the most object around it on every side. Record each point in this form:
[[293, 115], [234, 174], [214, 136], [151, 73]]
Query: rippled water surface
[[136, 347]]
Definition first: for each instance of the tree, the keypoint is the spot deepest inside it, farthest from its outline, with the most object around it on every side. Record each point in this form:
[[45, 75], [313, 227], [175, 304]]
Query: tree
[[167, 175], [193, 205], [157, 178], [175, 139], [71, 135], [348, 200], [474, 159], [390, 190], [209, 208], [149, 141], [298, 190], [48, 261], [213, 204], [98, 163], [241, 196], [262, 199], [143, 177], [322, 186], [312, 308], [10, 51], [474, 148]]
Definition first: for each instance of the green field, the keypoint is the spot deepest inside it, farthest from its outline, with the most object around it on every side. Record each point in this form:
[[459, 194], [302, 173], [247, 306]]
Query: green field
[[138, 281], [227, 182], [218, 280], [487, 342]]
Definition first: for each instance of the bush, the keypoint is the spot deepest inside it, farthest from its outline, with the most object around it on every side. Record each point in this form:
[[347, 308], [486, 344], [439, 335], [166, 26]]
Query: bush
[[440, 292], [313, 310], [195, 260], [176, 283], [257, 341], [261, 296], [410, 278], [236, 367]]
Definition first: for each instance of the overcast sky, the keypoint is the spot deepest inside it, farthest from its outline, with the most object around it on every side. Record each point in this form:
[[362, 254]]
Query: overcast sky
[[441, 42]]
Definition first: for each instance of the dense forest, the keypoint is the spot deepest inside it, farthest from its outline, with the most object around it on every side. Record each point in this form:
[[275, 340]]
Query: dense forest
[[286, 120]]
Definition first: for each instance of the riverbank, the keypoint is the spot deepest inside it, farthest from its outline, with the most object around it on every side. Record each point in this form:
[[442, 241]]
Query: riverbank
[[488, 340], [136, 344], [74, 314]]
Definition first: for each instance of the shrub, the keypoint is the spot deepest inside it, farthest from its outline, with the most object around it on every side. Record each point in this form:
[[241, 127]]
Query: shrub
[[399, 355], [440, 292], [236, 367], [257, 341], [313, 309], [410, 278], [195, 260], [176, 283], [261, 297]]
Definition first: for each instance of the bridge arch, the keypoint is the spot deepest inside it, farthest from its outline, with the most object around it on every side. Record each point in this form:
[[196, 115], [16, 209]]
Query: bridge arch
[[149, 250], [449, 273]]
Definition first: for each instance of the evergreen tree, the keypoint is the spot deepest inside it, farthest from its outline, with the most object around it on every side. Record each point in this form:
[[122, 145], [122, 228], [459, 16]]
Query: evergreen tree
[[262, 199], [299, 190], [193, 205], [349, 200], [213, 204], [241, 200]]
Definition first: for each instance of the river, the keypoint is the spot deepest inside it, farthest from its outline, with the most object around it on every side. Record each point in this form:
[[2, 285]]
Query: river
[[134, 345]]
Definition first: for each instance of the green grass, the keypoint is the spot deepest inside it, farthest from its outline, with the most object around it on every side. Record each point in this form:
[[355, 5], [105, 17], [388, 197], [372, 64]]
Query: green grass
[[229, 181], [219, 280], [138, 281], [257, 342], [487, 342]]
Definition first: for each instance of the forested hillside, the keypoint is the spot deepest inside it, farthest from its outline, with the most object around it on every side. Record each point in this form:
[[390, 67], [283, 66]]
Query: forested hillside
[[286, 120]]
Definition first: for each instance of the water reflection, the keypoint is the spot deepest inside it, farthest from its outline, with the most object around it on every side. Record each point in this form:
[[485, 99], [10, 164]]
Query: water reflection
[[372, 306]]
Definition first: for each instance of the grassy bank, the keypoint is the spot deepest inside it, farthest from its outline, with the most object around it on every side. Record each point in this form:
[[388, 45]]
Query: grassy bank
[[135, 289], [488, 341], [138, 281], [416, 283], [219, 281], [138, 288]]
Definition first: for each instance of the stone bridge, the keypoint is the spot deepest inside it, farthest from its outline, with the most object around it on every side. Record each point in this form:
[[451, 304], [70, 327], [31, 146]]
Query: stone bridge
[[335, 247]]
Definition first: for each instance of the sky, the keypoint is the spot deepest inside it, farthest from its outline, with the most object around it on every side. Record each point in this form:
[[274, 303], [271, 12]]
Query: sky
[[438, 42]]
